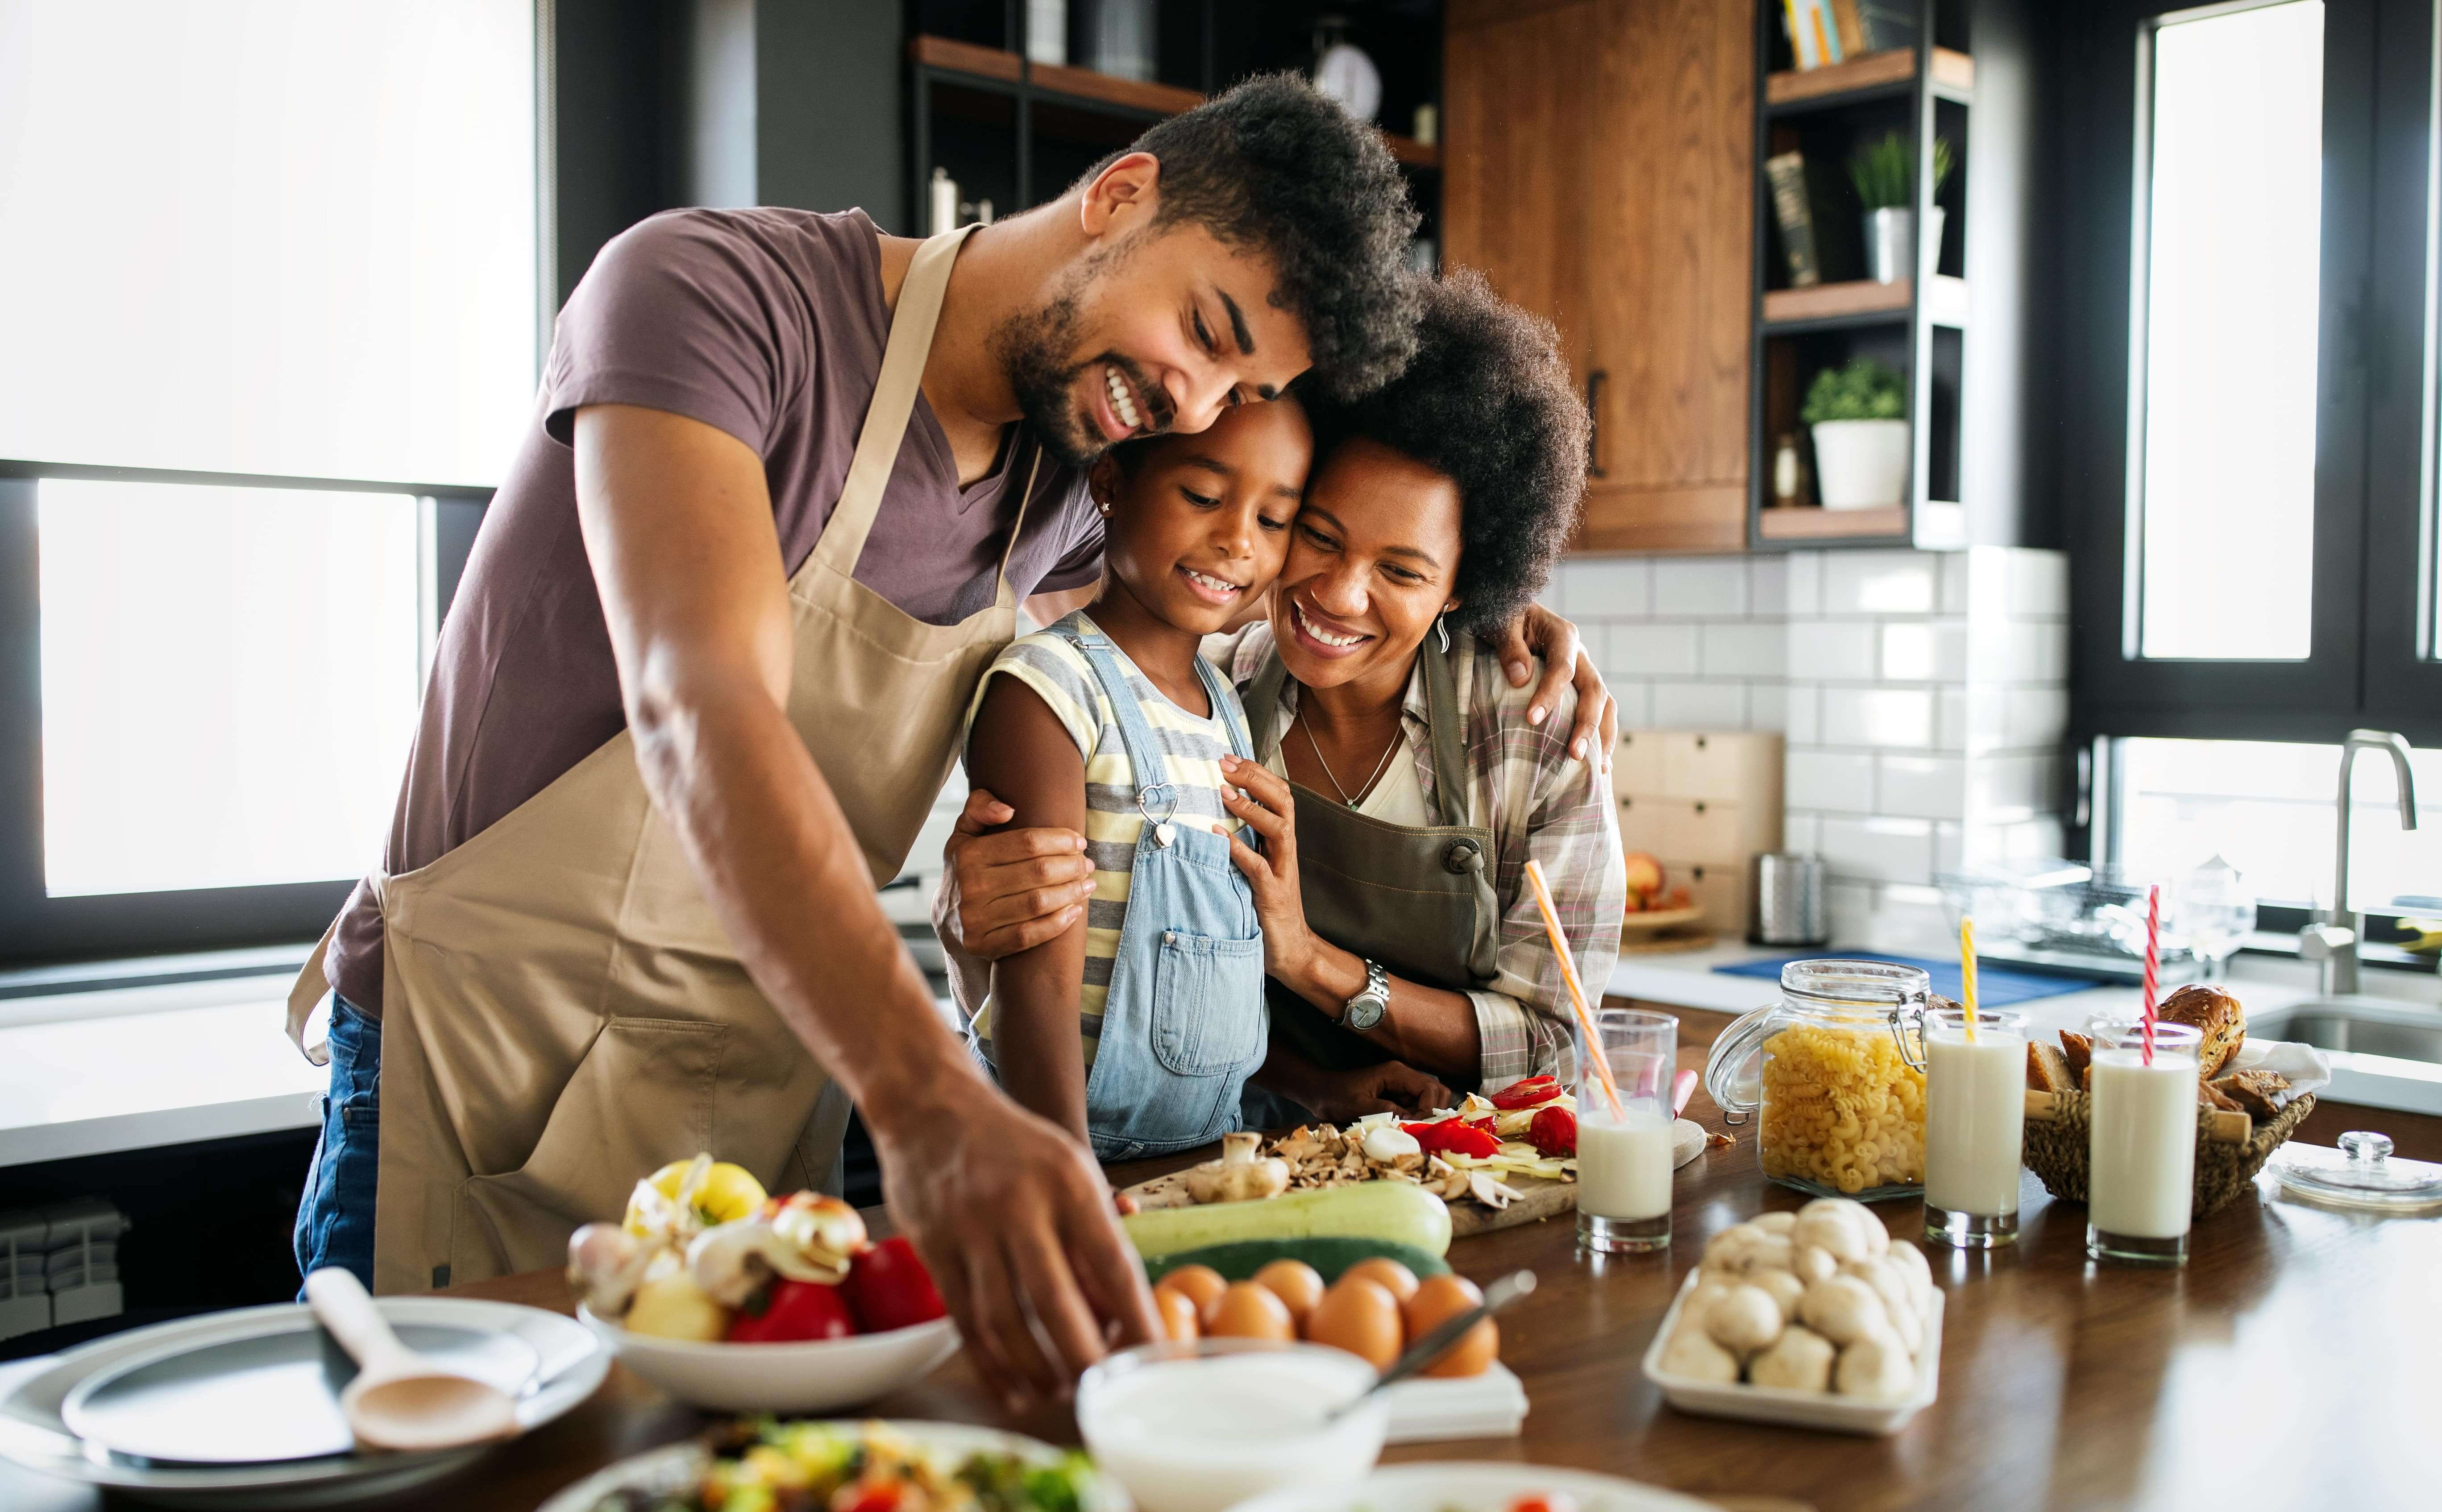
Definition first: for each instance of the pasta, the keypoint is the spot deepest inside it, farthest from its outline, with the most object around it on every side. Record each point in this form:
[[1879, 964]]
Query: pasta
[[1841, 1112]]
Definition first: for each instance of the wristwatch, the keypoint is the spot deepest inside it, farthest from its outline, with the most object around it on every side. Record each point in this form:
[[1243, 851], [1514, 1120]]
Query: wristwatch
[[1366, 1009]]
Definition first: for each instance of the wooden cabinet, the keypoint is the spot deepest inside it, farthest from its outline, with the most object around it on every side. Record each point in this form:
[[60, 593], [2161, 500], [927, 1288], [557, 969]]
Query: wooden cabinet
[[1599, 168]]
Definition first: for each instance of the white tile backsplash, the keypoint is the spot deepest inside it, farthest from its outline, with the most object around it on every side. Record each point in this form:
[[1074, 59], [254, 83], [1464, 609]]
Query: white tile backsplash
[[1700, 705], [1955, 581], [1831, 650], [1804, 583], [1767, 585], [1924, 651], [1839, 781], [1635, 699], [1878, 716], [1749, 649], [1715, 587], [1805, 713], [1768, 706], [1593, 587], [1880, 582], [1879, 850], [1654, 650], [1922, 787]]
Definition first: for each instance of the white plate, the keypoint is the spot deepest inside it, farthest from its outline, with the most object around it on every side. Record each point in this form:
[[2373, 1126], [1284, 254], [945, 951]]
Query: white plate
[[815, 1376], [674, 1469], [1459, 1486], [1779, 1404], [34, 1435]]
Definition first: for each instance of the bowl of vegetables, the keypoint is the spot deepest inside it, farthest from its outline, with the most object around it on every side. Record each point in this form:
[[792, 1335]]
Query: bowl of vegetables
[[732, 1299]]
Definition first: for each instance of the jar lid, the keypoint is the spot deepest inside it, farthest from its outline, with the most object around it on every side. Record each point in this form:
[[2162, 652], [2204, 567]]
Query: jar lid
[[2361, 1174]]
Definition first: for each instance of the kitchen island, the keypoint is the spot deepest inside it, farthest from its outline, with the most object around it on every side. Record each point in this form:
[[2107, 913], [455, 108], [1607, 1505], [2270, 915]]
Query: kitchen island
[[2296, 1362]]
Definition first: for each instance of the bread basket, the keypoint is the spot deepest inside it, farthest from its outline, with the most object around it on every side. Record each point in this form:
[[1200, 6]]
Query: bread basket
[[2230, 1149]]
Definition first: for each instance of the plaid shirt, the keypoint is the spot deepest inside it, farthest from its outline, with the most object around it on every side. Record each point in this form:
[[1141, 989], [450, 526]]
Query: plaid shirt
[[1538, 803]]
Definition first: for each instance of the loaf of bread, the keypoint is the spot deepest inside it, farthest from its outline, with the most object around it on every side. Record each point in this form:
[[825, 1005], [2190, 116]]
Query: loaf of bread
[[2216, 1016]]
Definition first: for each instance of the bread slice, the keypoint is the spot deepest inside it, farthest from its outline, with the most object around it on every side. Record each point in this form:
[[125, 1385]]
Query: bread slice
[[2079, 1049], [2216, 1016], [2259, 1093], [2048, 1069], [2214, 1097]]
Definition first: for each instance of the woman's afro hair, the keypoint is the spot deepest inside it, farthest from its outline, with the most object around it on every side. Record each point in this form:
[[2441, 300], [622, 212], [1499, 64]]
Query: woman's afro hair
[[1273, 164], [1489, 401]]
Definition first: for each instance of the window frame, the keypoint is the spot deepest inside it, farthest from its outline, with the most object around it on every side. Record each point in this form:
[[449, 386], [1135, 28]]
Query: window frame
[[2373, 438], [37, 929]]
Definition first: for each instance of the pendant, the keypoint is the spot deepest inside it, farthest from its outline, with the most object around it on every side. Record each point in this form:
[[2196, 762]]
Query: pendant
[[1163, 834]]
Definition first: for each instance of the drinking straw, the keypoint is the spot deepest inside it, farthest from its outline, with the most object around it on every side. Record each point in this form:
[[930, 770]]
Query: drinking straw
[[1576, 989], [1967, 974], [2153, 962]]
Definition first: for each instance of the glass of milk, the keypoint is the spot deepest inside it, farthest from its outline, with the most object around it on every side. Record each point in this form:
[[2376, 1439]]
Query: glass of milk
[[2141, 1161], [1975, 1122], [1624, 1157], [1205, 1424]]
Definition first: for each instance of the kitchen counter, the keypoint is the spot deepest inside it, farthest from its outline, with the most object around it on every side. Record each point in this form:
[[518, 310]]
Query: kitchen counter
[[2294, 1364]]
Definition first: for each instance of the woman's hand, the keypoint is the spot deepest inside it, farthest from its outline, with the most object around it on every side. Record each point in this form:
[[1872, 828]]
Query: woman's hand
[[1268, 808]]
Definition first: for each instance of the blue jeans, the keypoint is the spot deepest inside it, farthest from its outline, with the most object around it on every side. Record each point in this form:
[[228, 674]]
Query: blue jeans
[[334, 1221]]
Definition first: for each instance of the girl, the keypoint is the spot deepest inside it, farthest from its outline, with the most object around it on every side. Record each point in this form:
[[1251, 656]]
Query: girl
[[1110, 723]]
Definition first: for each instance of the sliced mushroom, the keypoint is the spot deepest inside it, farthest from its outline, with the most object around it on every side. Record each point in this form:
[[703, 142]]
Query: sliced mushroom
[[1484, 1189]]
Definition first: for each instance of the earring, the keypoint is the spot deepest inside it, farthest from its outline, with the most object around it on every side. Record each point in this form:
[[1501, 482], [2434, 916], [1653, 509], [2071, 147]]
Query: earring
[[1441, 631]]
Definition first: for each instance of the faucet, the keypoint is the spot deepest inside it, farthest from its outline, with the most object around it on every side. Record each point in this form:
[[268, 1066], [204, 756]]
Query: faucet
[[2333, 941]]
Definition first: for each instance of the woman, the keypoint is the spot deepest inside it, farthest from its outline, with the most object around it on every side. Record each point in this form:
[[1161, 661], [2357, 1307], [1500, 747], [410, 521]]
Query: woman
[[1401, 786]]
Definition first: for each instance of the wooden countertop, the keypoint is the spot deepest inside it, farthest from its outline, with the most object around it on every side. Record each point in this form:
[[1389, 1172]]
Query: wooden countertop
[[2295, 1362]]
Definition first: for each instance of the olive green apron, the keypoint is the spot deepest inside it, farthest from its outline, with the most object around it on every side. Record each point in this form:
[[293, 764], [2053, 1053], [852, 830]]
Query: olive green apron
[[1418, 899]]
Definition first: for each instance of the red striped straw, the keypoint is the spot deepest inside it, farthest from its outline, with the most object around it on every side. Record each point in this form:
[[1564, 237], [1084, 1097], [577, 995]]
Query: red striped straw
[[2153, 962]]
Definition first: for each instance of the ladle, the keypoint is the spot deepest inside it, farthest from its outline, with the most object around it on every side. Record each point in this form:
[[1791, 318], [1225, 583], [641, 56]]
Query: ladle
[[399, 1399]]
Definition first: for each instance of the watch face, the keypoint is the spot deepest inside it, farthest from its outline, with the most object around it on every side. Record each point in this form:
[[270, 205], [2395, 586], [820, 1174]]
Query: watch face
[[1364, 1013]]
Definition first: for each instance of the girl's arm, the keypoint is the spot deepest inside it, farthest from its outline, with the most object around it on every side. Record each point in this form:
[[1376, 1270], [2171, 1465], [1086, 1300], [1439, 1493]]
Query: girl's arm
[[1020, 750]]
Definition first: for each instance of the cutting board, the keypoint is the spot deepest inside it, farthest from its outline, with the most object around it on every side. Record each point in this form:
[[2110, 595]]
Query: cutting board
[[1538, 1200]]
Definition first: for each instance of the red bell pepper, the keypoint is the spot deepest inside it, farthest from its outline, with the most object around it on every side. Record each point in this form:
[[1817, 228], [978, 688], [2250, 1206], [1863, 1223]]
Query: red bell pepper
[[1451, 1137], [1554, 1133], [888, 1287], [1527, 1093], [793, 1311]]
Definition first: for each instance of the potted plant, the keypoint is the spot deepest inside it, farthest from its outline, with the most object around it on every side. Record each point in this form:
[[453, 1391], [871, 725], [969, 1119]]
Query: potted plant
[[1884, 174], [1861, 441]]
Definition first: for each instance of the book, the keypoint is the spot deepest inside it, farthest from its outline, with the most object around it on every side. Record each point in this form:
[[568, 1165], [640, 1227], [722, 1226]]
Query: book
[[1848, 19], [1790, 206], [1801, 37], [1825, 29], [1887, 24]]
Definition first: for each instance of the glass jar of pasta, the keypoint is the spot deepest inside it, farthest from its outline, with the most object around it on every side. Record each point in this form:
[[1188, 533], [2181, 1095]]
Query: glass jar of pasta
[[1833, 1074]]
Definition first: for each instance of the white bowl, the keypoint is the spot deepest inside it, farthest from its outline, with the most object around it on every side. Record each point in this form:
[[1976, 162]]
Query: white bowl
[[1462, 1485], [1778, 1404], [1196, 1427], [813, 1376]]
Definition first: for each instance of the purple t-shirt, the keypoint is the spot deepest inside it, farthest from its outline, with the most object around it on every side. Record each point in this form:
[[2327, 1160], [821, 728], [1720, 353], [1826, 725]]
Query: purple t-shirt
[[769, 324]]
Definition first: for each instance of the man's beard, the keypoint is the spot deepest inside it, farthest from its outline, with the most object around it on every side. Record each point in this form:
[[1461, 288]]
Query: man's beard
[[1033, 347]]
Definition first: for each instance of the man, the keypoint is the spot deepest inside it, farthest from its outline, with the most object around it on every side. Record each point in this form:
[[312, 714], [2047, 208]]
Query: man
[[682, 719]]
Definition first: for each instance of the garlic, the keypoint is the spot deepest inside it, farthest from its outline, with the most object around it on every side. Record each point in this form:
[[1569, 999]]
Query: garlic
[[1389, 1142]]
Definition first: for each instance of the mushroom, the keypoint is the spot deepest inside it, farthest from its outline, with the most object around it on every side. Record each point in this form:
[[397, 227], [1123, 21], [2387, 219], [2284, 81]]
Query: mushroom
[[1801, 1360], [1843, 1309], [1779, 1222], [1238, 1175], [1811, 1264], [1899, 1298], [1834, 1229], [1742, 1250], [1742, 1320], [1782, 1286], [1484, 1188], [1692, 1354], [606, 1264], [1876, 1368]]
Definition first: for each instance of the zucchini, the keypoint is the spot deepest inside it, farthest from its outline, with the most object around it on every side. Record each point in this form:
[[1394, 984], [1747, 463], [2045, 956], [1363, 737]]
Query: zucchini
[[1400, 1211], [1329, 1257]]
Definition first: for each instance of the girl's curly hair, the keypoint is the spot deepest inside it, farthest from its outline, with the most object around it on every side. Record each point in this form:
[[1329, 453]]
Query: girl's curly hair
[[1490, 401]]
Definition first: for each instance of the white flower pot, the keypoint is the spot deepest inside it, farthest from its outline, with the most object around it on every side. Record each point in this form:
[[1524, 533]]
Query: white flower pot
[[1861, 464]]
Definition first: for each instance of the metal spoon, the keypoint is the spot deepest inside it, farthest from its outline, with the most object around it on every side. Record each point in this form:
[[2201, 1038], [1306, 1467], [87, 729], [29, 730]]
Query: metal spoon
[[1437, 1344], [399, 1399]]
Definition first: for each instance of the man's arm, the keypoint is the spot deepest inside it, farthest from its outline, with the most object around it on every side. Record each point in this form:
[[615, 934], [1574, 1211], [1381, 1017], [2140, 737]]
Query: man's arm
[[1021, 751], [1012, 1217]]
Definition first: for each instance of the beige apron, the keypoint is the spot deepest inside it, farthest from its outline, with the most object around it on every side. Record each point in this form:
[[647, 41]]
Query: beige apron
[[561, 1012]]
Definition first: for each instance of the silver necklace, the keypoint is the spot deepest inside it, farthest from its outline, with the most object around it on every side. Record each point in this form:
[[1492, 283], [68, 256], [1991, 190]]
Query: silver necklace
[[1319, 758]]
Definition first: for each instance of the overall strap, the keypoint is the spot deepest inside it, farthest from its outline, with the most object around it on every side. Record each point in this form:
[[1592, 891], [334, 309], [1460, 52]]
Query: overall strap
[[893, 400], [1449, 731], [1146, 759]]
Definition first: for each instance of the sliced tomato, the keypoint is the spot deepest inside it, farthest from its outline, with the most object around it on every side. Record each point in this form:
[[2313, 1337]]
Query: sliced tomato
[[1527, 1093]]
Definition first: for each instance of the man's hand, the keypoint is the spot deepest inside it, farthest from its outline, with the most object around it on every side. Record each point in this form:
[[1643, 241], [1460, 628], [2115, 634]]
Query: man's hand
[[1393, 1086], [1009, 892], [1017, 1226], [1539, 632]]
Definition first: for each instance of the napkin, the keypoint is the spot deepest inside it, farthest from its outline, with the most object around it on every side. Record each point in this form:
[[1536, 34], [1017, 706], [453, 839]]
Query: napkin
[[1491, 1405], [2307, 1068]]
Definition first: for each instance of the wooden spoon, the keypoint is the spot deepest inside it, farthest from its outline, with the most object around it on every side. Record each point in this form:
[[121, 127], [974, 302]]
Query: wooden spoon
[[400, 1400]]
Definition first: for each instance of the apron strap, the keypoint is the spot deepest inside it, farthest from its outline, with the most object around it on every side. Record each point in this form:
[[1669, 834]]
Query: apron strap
[[893, 400], [1264, 705], [1007, 595], [310, 985], [1225, 708], [1448, 735]]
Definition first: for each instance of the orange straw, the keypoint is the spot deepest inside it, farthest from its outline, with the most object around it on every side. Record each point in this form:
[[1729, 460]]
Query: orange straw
[[1576, 989]]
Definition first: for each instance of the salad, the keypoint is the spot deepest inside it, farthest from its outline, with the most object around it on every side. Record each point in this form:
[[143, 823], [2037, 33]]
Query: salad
[[759, 1464]]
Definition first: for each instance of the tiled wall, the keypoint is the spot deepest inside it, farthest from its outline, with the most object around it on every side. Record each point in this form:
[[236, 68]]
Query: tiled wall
[[1923, 696]]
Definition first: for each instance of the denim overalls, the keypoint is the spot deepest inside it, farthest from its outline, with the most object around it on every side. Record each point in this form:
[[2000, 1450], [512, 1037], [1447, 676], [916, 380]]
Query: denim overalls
[[1185, 1024]]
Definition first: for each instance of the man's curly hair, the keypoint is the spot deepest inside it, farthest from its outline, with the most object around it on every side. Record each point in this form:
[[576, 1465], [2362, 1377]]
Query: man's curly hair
[[1488, 400], [1273, 164]]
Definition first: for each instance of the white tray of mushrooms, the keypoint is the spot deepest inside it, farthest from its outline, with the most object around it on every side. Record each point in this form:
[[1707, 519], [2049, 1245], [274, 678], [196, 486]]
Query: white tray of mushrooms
[[1814, 1319]]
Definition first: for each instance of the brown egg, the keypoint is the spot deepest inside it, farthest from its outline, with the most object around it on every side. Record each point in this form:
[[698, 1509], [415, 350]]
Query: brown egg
[[1295, 1282], [1360, 1315], [1388, 1274], [1198, 1284], [1248, 1311], [1178, 1313], [1436, 1301]]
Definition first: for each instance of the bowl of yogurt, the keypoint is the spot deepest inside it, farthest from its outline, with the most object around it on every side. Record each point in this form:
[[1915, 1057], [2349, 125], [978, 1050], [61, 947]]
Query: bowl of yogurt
[[1201, 1424]]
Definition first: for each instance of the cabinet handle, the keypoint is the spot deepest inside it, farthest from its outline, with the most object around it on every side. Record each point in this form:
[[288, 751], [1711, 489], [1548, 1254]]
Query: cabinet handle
[[1594, 382]]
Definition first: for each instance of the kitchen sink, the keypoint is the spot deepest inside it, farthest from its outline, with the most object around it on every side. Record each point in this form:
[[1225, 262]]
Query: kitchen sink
[[2385, 1054]]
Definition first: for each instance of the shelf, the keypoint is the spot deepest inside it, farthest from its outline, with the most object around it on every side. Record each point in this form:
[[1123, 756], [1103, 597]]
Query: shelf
[[1873, 75], [1088, 89], [1863, 303], [1811, 523]]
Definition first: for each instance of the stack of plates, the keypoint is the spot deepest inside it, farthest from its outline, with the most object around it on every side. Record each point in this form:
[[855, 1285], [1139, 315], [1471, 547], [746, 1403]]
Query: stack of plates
[[149, 1386]]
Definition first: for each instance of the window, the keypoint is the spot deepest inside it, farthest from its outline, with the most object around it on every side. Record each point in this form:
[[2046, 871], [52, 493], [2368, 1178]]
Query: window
[[277, 304], [2227, 435]]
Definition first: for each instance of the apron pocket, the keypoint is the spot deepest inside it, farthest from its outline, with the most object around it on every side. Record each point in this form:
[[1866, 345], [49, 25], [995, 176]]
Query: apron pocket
[[1208, 1004], [641, 1097]]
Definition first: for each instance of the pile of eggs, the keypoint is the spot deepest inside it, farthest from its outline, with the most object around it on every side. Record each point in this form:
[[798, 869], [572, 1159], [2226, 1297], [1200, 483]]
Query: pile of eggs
[[1818, 1300], [1376, 1309]]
